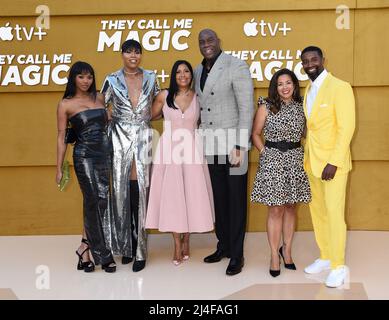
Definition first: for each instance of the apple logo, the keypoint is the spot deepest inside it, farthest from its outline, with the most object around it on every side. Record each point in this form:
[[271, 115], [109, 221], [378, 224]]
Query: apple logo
[[250, 28], [6, 33]]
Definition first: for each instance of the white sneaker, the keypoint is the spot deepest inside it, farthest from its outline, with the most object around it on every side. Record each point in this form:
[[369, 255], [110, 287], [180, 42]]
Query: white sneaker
[[338, 277], [318, 266]]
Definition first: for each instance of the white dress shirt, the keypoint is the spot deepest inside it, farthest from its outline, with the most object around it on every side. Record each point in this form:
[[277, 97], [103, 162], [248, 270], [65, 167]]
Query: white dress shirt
[[314, 89]]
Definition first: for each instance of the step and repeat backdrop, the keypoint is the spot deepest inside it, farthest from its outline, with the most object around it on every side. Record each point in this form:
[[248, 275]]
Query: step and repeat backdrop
[[39, 42]]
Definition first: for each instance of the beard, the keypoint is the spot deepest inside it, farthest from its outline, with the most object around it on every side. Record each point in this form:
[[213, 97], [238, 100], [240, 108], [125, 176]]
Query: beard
[[315, 74]]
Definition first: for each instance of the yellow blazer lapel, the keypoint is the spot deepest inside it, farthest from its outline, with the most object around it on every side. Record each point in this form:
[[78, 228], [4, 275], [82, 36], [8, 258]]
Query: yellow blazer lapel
[[319, 97], [305, 100]]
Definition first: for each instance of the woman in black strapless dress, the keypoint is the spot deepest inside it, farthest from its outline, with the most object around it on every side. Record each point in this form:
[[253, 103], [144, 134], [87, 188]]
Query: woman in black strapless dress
[[84, 108]]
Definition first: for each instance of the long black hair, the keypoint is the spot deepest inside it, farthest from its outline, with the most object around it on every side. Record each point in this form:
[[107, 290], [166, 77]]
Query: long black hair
[[77, 68], [273, 96], [173, 87]]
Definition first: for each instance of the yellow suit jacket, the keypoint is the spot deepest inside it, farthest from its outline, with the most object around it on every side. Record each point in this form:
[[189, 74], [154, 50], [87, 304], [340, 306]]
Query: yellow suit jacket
[[330, 127]]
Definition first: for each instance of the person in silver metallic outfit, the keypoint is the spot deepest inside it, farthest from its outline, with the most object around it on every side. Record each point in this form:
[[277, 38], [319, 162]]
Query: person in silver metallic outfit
[[130, 91]]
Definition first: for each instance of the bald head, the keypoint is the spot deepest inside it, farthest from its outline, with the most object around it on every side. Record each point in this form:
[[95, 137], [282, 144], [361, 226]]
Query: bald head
[[209, 44], [207, 32]]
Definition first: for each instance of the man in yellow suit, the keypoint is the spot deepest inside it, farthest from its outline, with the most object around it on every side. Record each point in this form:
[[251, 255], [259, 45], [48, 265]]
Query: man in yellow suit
[[330, 112]]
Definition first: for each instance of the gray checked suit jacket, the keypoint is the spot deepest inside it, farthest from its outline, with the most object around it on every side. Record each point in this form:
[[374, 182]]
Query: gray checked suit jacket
[[226, 104]]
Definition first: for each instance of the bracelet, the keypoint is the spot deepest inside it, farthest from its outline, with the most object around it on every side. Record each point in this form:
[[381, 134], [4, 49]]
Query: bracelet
[[262, 150]]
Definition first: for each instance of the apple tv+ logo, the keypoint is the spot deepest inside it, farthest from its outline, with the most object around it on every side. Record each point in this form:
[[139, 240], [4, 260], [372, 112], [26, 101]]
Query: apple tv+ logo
[[252, 28], [6, 33], [20, 33]]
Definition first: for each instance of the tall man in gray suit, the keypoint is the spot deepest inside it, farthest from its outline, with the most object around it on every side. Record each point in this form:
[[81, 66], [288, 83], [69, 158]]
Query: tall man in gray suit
[[225, 91]]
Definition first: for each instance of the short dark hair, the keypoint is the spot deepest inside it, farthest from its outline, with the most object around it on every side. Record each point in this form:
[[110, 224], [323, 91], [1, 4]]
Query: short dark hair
[[274, 98], [313, 48], [131, 44]]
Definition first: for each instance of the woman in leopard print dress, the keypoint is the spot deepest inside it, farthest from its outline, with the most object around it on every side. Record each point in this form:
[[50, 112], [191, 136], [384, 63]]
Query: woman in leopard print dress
[[280, 181]]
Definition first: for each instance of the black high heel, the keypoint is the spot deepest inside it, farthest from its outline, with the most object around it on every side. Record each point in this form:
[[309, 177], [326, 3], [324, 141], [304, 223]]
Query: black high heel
[[109, 267], [276, 273], [87, 266], [290, 266]]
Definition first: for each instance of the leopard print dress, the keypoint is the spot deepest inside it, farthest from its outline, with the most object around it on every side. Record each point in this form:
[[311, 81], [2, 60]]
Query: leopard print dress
[[280, 177]]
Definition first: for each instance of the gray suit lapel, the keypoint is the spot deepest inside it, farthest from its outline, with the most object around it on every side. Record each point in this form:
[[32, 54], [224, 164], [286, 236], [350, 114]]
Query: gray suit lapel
[[198, 72], [214, 75]]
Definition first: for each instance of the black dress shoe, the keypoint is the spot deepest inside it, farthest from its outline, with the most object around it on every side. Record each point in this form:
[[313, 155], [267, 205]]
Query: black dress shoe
[[290, 266], [126, 260], [138, 265], [215, 257], [235, 266]]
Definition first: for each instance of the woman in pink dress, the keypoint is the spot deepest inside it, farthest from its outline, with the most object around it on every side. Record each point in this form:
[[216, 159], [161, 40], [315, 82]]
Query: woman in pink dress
[[181, 199]]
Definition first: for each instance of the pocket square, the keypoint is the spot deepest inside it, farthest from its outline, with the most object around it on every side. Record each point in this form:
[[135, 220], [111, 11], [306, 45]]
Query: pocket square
[[324, 105]]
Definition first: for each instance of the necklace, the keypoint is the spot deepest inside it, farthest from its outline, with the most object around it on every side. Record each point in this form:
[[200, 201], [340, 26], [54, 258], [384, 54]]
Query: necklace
[[131, 73], [186, 93]]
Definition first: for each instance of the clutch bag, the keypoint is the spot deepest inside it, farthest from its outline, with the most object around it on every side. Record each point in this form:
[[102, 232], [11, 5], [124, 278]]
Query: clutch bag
[[65, 176]]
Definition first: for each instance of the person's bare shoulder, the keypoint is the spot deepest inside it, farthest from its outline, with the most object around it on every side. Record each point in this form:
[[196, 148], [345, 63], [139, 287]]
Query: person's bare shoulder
[[63, 108], [100, 98], [162, 95], [63, 104]]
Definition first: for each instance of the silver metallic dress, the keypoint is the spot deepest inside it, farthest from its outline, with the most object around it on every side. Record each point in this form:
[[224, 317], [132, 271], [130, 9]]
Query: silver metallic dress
[[131, 136]]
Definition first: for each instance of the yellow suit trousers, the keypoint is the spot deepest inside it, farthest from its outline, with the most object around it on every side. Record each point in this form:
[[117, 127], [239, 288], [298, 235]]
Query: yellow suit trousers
[[327, 212]]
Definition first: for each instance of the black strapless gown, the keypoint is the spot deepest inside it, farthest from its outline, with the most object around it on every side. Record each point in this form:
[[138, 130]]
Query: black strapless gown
[[91, 157]]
